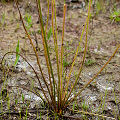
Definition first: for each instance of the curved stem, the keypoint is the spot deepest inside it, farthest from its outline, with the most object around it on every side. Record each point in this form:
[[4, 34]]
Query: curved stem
[[38, 63], [95, 76], [32, 69]]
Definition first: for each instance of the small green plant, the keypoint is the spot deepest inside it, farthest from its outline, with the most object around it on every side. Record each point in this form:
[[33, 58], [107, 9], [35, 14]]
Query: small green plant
[[26, 114], [60, 90], [98, 7], [49, 34], [23, 98], [66, 63], [28, 20], [17, 53], [85, 105], [75, 104], [103, 104], [115, 16], [28, 25], [2, 21], [55, 90], [89, 62]]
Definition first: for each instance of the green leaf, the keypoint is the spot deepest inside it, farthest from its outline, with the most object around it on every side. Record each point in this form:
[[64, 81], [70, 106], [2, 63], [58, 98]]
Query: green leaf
[[28, 20], [117, 19], [16, 101], [17, 49], [17, 54], [73, 106], [115, 16], [49, 33], [3, 19], [23, 98]]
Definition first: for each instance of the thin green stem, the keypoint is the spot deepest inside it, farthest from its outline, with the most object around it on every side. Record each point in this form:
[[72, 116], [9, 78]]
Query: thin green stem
[[55, 44], [69, 75], [31, 67], [85, 50], [95, 76], [62, 51], [47, 17], [38, 63], [93, 114], [47, 50]]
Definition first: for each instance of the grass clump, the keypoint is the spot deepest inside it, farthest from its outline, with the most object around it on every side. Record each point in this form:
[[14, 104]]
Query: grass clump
[[115, 16], [89, 62], [59, 90]]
